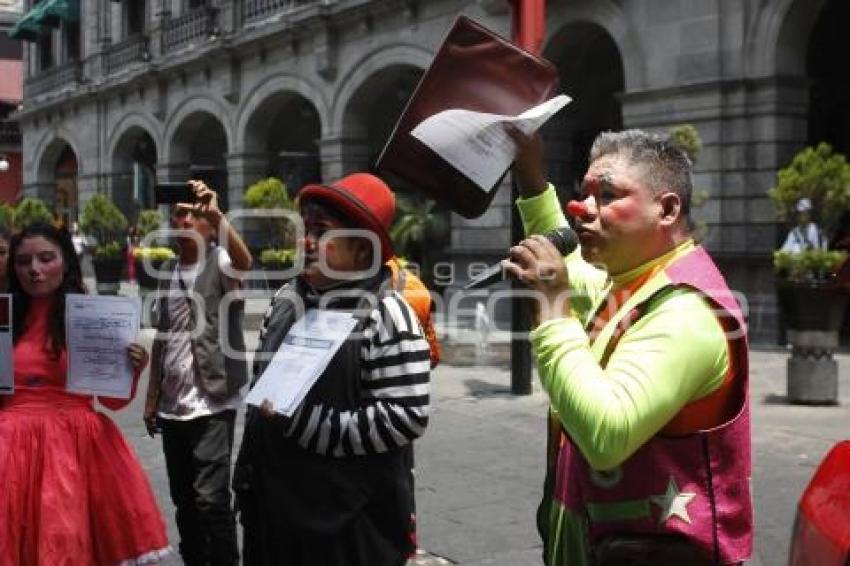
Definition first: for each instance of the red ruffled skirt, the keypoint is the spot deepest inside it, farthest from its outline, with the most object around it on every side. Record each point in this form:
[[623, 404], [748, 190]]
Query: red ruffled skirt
[[71, 490]]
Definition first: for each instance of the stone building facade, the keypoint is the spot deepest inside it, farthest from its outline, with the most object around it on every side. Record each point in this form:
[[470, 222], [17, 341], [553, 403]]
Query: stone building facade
[[236, 90], [11, 87]]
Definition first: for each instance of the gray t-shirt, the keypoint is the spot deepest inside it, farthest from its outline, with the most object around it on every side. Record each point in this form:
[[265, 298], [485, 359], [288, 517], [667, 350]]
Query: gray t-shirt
[[180, 397]]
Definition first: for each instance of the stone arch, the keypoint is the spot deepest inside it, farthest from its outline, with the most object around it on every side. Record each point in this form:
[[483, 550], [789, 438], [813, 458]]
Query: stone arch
[[133, 156], [184, 116], [48, 151], [611, 18], [134, 122], [591, 70], [366, 68], [198, 142], [272, 87], [58, 168], [779, 35], [829, 78], [368, 103]]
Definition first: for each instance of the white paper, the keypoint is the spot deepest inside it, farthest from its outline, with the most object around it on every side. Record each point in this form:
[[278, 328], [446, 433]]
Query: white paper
[[7, 374], [476, 144], [303, 355], [98, 330]]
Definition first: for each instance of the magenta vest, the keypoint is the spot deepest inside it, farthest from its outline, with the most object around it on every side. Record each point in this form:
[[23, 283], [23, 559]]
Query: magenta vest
[[696, 485]]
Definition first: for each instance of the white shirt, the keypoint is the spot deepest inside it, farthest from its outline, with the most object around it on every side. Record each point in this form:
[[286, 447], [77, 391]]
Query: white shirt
[[803, 238], [181, 399]]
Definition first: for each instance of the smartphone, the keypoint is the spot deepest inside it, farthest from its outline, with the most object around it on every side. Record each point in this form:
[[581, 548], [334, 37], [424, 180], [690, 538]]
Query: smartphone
[[172, 193]]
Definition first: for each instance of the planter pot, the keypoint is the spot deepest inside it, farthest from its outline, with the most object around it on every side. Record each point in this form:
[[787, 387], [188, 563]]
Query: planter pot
[[108, 272], [813, 313], [810, 305]]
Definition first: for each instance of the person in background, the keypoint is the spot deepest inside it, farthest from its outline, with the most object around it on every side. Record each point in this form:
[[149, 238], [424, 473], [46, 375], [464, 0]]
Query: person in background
[[645, 363], [806, 235], [332, 484], [73, 491], [78, 239], [198, 369]]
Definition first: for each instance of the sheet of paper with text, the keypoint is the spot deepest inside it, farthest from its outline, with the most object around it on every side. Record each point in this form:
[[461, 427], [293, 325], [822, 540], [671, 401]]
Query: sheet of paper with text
[[305, 352], [476, 143], [99, 329]]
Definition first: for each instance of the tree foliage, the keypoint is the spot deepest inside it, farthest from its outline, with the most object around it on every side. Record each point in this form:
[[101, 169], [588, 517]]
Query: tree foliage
[[271, 194], [687, 137], [148, 221], [420, 230], [103, 220], [30, 210], [819, 174], [808, 265]]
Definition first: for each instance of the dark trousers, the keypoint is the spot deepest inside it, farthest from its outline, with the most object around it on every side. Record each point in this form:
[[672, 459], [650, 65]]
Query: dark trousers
[[197, 457]]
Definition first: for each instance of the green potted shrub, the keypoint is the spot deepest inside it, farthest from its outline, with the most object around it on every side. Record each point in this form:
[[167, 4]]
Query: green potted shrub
[[811, 301], [31, 210], [108, 225], [149, 259], [274, 260], [278, 233]]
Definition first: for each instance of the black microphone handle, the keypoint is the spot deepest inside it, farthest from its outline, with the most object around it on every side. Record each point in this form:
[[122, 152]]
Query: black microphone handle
[[563, 238]]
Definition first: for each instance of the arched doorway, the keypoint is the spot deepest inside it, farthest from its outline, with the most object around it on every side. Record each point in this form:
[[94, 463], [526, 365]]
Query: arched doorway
[[374, 110], [591, 72], [422, 230], [134, 172], [286, 127], [66, 204], [829, 103], [57, 180], [200, 150]]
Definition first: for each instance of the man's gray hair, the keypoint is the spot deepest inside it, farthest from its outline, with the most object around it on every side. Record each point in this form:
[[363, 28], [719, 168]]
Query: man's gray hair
[[668, 166]]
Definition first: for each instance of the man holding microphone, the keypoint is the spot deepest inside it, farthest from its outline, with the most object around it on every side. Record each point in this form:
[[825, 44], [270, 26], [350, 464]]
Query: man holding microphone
[[644, 361]]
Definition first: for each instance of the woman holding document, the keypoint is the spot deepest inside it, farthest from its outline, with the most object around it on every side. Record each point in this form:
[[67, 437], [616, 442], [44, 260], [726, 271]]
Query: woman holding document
[[72, 490]]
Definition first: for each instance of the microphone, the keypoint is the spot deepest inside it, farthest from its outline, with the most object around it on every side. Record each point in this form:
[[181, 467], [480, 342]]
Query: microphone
[[563, 238]]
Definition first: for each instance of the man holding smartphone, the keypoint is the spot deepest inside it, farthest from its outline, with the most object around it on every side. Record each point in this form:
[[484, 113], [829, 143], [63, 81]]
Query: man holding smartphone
[[198, 369]]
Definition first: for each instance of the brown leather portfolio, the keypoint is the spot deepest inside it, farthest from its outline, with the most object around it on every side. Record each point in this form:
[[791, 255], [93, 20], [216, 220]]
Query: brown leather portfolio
[[474, 69]]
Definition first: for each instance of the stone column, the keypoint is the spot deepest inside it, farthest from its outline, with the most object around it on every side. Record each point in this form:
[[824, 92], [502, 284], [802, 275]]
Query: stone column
[[243, 170], [172, 171], [341, 156]]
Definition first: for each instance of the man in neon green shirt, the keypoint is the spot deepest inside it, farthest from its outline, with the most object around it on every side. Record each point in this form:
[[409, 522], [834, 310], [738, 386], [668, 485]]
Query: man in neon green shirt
[[644, 361]]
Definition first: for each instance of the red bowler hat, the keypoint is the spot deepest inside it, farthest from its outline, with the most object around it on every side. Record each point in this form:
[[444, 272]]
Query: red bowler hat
[[363, 198]]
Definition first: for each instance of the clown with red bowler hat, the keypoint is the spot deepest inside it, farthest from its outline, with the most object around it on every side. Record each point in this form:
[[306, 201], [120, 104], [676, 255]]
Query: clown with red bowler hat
[[332, 484]]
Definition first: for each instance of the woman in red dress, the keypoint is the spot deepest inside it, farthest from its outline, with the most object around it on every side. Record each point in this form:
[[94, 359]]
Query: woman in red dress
[[71, 490]]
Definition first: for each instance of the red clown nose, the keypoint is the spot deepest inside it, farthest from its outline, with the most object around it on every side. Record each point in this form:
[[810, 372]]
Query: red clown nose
[[576, 209]]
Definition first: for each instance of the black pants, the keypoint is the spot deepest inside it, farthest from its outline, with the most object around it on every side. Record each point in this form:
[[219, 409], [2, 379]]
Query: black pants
[[197, 456]]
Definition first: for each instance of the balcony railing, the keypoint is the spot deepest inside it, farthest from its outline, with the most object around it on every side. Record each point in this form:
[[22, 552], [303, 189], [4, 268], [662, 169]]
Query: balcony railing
[[68, 74], [256, 10], [133, 50], [189, 28], [10, 134]]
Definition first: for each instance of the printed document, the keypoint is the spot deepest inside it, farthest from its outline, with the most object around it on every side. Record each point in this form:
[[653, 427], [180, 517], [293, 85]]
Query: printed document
[[476, 143], [7, 374], [303, 355], [98, 330]]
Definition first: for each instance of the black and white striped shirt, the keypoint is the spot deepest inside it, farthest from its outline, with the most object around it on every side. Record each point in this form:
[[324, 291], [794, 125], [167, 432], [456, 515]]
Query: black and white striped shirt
[[395, 381]]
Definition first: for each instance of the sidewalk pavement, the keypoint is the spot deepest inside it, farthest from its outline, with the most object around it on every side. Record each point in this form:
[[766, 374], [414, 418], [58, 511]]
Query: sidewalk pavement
[[480, 464]]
